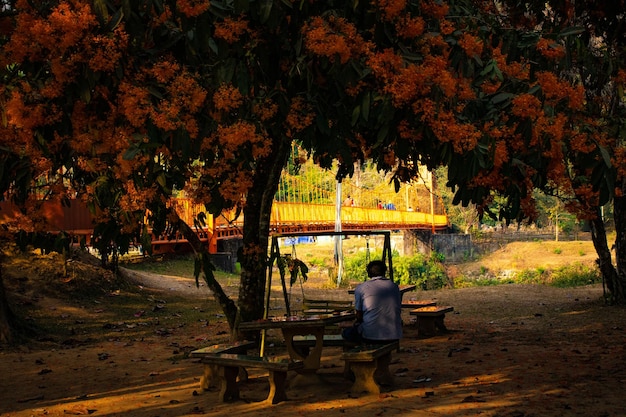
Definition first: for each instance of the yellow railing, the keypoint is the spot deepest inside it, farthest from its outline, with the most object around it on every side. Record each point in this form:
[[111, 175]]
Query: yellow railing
[[298, 213], [302, 217]]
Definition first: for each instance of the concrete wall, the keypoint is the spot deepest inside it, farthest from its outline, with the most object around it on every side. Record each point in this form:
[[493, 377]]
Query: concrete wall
[[454, 247]]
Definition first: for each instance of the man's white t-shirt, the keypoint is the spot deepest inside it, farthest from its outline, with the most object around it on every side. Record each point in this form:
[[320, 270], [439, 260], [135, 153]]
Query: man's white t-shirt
[[380, 300]]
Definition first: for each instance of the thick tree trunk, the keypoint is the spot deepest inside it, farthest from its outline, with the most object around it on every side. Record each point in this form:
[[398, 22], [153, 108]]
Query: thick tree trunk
[[256, 229], [607, 269], [6, 315]]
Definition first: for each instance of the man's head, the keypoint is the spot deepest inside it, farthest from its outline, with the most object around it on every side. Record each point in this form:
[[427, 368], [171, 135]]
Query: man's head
[[376, 269]]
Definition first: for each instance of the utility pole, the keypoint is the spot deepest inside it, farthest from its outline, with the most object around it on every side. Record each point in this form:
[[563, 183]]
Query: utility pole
[[338, 238]]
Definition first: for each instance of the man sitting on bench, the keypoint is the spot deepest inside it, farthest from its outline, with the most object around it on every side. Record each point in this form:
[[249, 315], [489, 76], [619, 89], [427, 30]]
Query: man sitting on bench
[[378, 303]]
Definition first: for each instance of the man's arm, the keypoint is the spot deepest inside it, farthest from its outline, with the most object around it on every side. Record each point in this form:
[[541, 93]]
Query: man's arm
[[359, 316]]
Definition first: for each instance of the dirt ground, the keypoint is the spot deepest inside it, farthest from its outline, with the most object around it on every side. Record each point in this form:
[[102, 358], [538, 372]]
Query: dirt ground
[[511, 351]]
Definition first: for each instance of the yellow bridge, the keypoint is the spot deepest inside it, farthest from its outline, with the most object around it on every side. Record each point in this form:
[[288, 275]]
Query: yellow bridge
[[302, 217]]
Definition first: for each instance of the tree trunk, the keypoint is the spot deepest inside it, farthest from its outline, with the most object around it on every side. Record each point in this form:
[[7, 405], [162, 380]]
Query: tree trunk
[[619, 216], [6, 315], [609, 274], [202, 255], [256, 228]]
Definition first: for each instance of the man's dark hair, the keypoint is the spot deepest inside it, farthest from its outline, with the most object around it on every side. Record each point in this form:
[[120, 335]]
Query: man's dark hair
[[376, 269]]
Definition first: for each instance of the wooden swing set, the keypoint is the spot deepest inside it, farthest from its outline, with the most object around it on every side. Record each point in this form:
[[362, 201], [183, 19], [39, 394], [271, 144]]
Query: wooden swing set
[[275, 255]]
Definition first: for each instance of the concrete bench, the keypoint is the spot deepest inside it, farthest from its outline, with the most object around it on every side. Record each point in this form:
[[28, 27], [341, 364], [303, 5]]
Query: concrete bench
[[429, 319], [209, 378], [304, 343], [403, 289], [228, 365], [370, 365], [418, 303], [309, 340], [315, 307]]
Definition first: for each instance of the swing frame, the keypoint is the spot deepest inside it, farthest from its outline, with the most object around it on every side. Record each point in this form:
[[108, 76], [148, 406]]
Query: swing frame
[[275, 254]]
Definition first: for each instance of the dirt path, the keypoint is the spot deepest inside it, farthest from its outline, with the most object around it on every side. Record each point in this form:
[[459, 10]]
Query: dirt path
[[180, 285], [512, 351]]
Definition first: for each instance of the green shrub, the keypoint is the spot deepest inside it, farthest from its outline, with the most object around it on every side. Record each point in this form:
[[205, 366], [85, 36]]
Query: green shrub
[[566, 276], [575, 275], [428, 273], [354, 265], [316, 262]]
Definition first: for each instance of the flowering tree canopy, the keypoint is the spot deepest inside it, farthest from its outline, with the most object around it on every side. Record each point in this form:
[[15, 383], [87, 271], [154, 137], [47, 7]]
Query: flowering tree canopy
[[122, 103]]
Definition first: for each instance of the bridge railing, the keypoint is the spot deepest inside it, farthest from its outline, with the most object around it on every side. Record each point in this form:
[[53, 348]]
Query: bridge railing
[[302, 217], [298, 213]]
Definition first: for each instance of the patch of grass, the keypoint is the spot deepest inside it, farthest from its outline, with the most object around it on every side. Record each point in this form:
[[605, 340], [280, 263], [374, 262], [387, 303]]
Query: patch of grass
[[529, 276], [566, 276], [315, 262]]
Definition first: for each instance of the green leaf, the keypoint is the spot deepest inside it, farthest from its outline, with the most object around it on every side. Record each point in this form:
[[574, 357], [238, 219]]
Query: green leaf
[[571, 31], [115, 20], [366, 106], [266, 9], [126, 7], [162, 181], [605, 156], [101, 12], [488, 68], [356, 112], [502, 97], [382, 134], [131, 153], [241, 6], [213, 46], [155, 92]]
